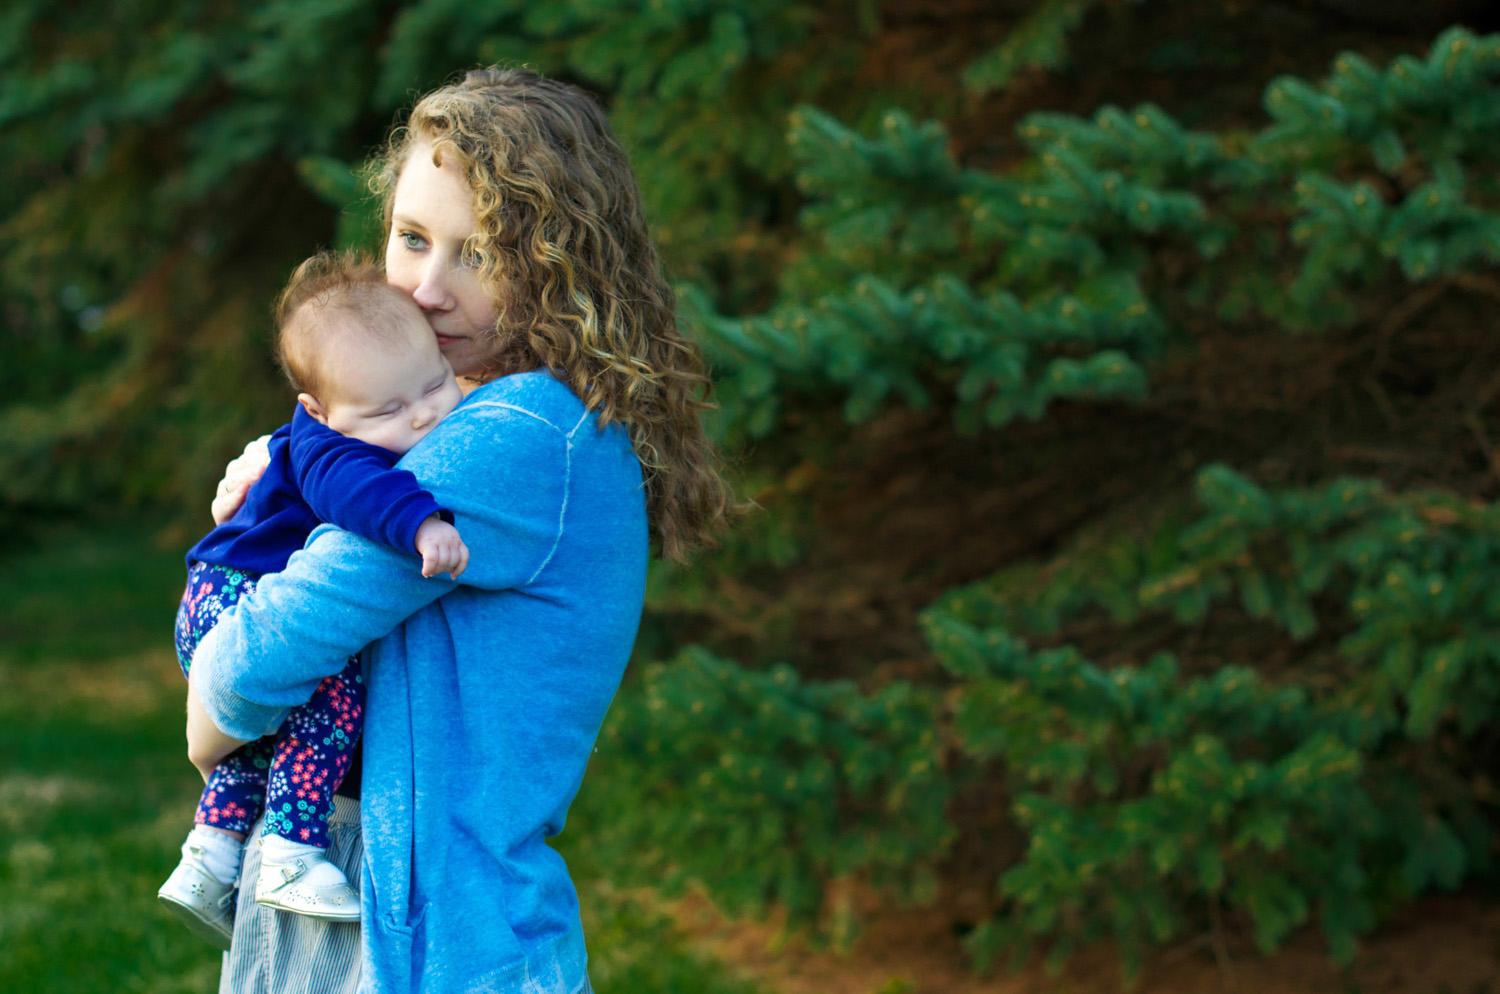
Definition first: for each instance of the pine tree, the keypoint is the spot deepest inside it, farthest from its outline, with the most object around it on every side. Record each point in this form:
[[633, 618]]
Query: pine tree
[[1120, 415]]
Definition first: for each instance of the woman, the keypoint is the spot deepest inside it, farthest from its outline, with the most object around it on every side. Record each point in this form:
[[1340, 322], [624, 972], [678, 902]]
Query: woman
[[515, 223]]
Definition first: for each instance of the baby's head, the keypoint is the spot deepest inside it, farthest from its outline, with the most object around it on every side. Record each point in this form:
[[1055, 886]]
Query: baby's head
[[362, 357]]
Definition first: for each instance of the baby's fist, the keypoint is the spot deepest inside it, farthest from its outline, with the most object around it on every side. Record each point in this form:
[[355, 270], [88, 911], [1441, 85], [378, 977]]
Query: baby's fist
[[442, 549]]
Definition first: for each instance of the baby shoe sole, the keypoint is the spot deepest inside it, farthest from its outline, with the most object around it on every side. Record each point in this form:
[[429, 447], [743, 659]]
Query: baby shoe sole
[[350, 915], [199, 926], [283, 896]]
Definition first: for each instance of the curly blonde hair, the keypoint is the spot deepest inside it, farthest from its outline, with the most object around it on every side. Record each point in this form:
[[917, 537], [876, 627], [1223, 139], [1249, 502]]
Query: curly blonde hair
[[563, 249]]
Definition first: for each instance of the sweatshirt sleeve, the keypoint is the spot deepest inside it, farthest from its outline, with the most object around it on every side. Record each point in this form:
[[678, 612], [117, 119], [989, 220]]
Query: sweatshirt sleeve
[[354, 485], [504, 474]]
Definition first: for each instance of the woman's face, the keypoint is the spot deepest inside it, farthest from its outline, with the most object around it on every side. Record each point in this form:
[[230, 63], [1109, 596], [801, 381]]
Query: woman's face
[[432, 216]]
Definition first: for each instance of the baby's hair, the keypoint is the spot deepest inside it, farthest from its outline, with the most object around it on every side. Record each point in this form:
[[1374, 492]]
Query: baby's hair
[[331, 298]]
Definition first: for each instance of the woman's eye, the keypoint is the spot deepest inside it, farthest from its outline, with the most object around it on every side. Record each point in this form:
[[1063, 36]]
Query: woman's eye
[[412, 240]]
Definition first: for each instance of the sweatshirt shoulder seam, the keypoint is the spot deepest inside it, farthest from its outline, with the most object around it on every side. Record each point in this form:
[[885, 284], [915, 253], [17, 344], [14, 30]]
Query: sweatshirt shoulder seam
[[516, 408], [562, 510]]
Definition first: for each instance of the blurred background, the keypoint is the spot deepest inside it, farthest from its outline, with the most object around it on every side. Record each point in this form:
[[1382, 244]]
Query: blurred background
[[1117, 382]]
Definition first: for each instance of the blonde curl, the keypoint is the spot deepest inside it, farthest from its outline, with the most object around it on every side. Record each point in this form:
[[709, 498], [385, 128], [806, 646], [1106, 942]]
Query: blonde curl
[[563, 249]]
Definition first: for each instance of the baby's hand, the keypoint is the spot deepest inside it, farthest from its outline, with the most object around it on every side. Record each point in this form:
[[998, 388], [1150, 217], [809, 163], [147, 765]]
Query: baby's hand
[[443, 551]]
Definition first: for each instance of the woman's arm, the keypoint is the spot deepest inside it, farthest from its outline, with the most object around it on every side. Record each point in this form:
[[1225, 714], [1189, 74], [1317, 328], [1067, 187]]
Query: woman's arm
[[267, 654], [503, 473], [207, 746]]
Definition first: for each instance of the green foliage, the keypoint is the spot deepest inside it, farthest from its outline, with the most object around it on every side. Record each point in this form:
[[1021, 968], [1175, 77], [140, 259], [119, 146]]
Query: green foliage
[[1205, 705], [1418, 621], [897, 305], [675, 71], [1038, 41], [899, 214], [766, 788], [1428, 128], [1441, 108], [1124, 842], [1146, 795], [96, 793], [221, 150]]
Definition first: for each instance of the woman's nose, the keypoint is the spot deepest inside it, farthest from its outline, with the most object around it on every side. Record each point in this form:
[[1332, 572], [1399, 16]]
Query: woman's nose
[[431, 293]]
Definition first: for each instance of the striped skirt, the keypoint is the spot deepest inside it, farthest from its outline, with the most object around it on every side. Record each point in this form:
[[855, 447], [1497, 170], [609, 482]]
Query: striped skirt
[[276, 952]]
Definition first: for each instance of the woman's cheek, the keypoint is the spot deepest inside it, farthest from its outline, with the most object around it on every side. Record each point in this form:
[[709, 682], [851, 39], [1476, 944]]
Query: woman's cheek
[[403, 267]]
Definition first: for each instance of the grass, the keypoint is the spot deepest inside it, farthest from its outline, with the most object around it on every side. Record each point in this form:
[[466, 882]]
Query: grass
[[96, 794]]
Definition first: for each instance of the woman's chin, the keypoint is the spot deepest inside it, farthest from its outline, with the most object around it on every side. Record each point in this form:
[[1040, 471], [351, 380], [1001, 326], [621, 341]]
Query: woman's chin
[[461, 355]]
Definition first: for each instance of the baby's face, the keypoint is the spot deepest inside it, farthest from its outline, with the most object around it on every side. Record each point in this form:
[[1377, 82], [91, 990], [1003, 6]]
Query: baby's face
[[392, 396]]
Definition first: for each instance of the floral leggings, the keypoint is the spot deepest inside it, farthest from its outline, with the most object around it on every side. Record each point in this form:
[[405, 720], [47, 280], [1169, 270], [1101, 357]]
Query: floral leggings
[[293, 773]]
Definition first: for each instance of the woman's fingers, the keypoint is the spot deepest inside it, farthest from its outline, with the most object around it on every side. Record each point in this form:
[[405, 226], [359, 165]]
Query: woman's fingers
[[228, 501], [243, 470], [248, 466], [259, 449]]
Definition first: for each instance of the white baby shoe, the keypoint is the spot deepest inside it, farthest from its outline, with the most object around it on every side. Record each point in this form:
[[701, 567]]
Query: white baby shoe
[[306, 885], [205, 905]]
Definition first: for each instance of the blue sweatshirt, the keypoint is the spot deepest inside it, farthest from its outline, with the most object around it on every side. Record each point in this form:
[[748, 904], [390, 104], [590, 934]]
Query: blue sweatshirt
[[485, 695], [317, 475]]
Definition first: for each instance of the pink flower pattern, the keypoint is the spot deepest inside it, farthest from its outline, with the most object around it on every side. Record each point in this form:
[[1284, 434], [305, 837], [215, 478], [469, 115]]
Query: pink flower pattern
[[294, 773]]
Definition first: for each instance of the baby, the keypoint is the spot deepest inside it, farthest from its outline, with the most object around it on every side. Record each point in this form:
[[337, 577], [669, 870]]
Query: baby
[[371, 384]]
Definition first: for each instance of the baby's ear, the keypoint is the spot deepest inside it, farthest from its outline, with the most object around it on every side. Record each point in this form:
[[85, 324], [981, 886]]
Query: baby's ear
[[311, 406]]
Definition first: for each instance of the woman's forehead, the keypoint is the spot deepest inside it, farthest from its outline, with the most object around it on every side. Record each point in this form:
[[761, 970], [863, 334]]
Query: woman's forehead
[[431, 195]]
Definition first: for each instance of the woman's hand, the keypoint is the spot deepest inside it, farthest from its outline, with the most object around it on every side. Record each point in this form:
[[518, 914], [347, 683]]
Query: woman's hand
[[242, 471], [207, 746]]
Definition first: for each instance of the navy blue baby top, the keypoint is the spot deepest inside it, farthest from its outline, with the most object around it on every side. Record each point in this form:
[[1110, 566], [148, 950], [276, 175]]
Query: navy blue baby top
[[317, 475]]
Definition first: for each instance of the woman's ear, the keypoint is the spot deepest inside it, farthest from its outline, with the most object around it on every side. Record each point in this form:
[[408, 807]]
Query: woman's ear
[[312, 407]]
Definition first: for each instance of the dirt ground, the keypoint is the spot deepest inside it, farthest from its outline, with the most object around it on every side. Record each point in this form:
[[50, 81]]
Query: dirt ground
[[1442, 945]]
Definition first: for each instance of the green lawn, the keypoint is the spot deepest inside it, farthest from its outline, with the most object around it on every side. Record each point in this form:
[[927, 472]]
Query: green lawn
[[96, 794]]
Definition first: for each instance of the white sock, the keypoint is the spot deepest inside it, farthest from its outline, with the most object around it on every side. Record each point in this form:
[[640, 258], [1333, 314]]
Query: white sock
[[320, 872], [221, 852]]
